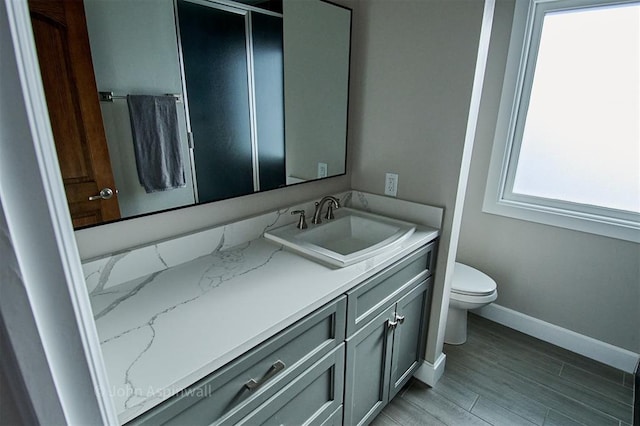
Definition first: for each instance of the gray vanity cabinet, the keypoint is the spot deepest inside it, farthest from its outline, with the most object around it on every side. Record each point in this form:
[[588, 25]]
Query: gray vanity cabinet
[[383, 354]]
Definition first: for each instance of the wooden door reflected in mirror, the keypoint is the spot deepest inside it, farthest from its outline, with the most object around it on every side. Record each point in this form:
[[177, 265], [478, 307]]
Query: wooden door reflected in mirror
[[62, 43]]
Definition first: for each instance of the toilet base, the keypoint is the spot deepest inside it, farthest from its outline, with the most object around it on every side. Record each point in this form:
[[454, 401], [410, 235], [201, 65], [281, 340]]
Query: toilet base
[[456, 330]]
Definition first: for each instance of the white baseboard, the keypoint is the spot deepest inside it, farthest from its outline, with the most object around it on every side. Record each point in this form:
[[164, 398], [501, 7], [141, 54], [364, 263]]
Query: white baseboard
[[605, 353], [430, 373]]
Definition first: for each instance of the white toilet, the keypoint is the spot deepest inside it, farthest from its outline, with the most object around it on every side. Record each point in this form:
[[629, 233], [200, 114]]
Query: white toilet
[[470, 289]]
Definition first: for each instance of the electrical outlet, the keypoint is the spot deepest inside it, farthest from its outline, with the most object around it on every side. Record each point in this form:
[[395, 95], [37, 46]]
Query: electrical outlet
[[322, 170], [391, 184]]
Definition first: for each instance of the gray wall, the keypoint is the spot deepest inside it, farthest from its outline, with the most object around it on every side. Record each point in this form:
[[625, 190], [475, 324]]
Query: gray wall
[[582, 282], [315, 98], [414, 64]]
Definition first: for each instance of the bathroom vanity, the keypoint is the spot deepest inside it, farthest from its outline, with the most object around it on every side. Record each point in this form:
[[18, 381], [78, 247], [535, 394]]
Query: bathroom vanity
[[225, 327]]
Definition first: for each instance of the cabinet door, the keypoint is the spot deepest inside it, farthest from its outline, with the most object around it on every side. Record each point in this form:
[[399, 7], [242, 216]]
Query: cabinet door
[[409, 335], [368, 363]]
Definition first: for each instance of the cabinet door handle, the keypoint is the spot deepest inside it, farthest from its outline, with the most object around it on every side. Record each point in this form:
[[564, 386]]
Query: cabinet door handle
[[392, 324], [277, 367], [399, 318]]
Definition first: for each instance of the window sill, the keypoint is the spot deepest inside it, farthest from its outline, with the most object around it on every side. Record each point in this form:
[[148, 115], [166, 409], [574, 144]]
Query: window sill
[[577, 221]]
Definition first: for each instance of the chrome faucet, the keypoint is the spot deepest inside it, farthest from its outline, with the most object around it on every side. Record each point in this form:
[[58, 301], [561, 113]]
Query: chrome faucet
[[333, 203]]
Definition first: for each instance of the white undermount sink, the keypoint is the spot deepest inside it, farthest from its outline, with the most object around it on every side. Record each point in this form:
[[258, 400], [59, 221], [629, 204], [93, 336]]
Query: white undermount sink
[[351, 237]]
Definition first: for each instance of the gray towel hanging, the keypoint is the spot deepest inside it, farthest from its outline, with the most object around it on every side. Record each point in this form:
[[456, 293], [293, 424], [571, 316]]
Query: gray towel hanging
[[154, 125]]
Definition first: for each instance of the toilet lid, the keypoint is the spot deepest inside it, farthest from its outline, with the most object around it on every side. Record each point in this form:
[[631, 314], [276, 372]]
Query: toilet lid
[[470, 281]]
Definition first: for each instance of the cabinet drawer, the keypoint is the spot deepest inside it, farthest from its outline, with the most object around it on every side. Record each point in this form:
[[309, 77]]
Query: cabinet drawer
[[241, 386], [335, 419], [373, 296], [311, 399]]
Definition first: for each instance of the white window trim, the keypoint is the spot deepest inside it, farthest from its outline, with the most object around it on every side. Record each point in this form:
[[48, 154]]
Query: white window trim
[[497, 200]]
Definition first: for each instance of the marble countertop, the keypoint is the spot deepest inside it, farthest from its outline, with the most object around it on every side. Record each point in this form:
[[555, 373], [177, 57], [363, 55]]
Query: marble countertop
[[164, 331]]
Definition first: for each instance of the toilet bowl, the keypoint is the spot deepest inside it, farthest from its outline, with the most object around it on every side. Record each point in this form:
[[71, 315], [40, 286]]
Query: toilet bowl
[[470, 289]]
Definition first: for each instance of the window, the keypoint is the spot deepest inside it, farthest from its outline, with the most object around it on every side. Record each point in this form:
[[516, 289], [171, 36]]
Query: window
[[567, 145]]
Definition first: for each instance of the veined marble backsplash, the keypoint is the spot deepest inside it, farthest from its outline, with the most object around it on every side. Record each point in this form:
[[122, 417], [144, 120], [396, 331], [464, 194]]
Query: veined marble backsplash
[[122, 267]]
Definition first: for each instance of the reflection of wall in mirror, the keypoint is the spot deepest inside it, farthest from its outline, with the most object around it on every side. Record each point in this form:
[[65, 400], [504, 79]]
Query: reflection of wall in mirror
[[134, 51], [316, 49]]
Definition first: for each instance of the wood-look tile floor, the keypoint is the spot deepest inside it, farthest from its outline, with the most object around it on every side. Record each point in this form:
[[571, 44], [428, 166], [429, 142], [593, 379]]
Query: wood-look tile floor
[[503, 377]]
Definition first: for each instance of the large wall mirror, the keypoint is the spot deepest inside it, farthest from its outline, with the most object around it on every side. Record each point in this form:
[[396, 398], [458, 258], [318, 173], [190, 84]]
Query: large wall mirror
[[192, 101]]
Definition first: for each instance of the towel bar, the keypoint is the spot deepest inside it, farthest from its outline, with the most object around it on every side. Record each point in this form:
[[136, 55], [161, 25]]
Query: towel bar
[[109, 96]]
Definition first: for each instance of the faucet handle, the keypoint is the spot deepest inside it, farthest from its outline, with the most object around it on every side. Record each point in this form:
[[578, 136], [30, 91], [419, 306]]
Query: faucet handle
[[329, 215], [302, 223]]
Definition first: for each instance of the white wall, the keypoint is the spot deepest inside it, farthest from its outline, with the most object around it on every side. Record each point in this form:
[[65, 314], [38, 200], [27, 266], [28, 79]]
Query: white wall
[[44, 304], [582, 282], [413, 71]]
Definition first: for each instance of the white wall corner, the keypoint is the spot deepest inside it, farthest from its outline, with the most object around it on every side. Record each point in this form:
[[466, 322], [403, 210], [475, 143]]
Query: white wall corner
[[44, 248], [435, 343], [430, 373], [597, 350]]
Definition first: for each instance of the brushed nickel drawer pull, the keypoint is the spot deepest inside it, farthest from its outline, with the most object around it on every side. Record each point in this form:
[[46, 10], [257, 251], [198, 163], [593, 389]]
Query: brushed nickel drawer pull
[[392, 324], [277, 367]]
